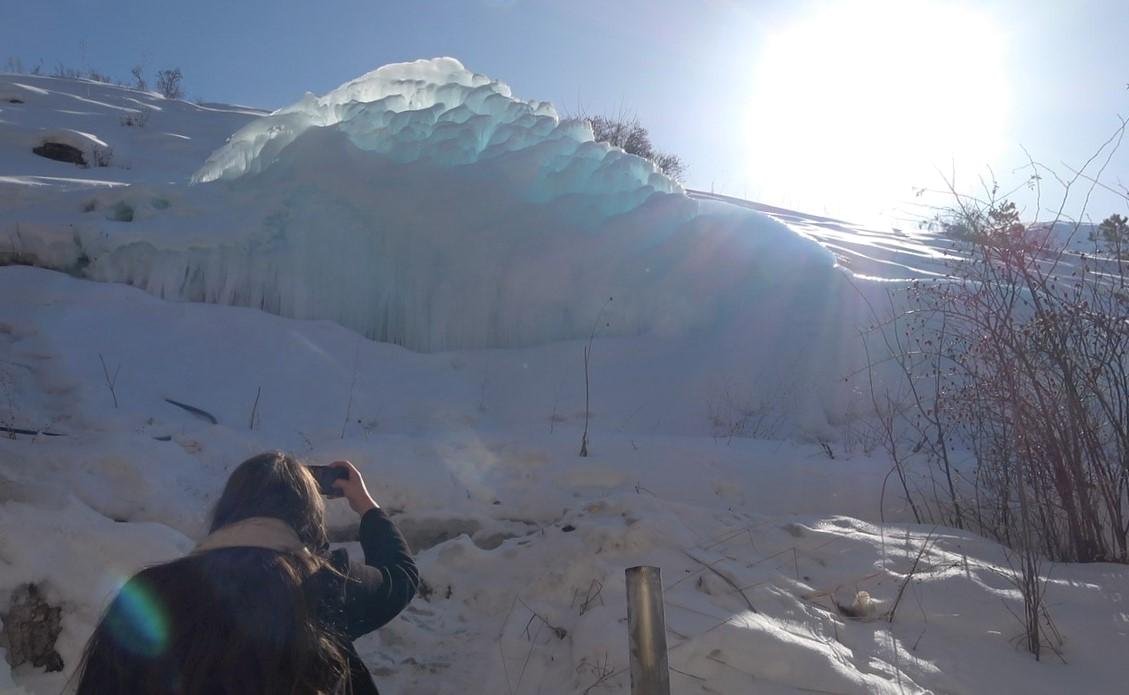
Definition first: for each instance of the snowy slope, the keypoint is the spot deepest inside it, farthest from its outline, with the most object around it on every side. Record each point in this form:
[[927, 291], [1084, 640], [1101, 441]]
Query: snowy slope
[[716, 369], [441, 438], [174, 138]]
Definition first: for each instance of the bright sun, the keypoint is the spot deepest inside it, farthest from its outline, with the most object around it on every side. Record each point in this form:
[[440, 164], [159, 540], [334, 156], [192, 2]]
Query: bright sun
[[858, 102]]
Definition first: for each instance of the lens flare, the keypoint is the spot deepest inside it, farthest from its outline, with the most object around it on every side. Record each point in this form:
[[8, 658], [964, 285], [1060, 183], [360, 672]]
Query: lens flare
[[138, 621]]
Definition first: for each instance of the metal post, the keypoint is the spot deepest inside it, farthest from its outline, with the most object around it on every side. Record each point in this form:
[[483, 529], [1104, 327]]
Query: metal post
[[646, 632]]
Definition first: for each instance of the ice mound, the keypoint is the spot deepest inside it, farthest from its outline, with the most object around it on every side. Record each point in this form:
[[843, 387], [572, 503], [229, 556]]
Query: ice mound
[[437, 110], [423, 205]]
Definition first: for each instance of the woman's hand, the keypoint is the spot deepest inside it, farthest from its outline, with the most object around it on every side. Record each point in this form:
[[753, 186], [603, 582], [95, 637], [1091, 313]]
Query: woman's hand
[[354, 489]]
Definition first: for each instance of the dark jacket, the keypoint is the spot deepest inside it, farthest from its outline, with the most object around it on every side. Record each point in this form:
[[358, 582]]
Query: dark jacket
[[204, 598], [359, 598]]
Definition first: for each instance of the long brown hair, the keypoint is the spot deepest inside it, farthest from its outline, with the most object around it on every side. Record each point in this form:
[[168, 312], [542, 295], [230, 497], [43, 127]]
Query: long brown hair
[[276, 485], [230, 620]]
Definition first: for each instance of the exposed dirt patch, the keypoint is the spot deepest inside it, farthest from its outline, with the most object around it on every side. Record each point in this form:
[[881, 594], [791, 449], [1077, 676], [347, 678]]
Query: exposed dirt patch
[[61, 152], [30, 628]]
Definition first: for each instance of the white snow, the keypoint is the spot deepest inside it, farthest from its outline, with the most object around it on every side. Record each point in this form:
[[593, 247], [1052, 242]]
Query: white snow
[[423, 203], [176, 137]]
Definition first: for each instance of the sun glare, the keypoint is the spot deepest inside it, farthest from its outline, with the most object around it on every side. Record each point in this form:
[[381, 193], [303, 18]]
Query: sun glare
[[856, 103]]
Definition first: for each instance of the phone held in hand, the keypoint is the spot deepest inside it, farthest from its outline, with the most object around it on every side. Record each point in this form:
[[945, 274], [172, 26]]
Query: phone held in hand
[[325, 475]]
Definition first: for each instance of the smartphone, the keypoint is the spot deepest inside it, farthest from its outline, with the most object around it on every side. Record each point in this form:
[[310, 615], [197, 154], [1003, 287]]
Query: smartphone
[[325, 475]]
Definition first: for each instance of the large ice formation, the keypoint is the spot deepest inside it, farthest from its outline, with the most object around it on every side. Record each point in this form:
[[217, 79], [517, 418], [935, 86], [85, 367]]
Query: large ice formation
[[438, 111], [422, 204]]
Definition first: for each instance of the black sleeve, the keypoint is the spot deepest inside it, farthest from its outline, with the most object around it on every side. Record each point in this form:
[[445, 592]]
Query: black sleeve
[[385, 584]]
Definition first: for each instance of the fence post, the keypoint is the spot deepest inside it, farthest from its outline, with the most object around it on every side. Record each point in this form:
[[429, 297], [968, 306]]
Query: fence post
[[646, 632]]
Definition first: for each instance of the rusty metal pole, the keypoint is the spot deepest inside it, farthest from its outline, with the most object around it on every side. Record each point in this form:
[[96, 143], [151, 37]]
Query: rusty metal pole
[[646, 632]]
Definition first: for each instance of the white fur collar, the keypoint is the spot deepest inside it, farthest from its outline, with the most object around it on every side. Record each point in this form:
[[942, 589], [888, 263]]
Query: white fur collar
[[255, 532]]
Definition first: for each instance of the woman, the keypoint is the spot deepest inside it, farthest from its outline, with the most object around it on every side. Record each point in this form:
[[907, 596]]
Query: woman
[[261, 605]]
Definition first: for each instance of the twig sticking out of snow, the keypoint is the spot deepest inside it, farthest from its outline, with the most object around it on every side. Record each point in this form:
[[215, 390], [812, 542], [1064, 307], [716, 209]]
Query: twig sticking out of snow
[[352, 385], [34, 433], [255, 408], [587, 360], [593, 594], [194, 411], [111, 381], [725, 579], [601, 669], [909, 576]]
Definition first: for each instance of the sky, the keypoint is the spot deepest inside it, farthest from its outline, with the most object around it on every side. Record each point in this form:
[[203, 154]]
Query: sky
[[865, 109]]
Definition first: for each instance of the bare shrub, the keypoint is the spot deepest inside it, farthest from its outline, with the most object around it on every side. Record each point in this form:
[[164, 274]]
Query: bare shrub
[[600, 673], [168, 83], [63, 71], [744, 415], [137, 119], [138, 73], [101, 157], [1026, 348], [1012, 385], [626, 133], [1014, 379]]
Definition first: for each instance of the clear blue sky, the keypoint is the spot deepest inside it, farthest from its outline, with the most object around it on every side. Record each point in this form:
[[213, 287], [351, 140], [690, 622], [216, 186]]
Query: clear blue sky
[[839, 107]]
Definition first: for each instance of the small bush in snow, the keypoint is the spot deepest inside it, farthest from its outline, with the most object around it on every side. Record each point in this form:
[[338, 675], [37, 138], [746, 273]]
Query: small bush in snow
[[630, 136], [138, 73], [96, 76], [744, 416], [102, 157], [135, 120], [121, 212], [63, 71]]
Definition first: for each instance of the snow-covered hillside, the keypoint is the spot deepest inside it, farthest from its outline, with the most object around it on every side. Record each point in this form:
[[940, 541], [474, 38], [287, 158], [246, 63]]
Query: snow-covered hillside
[[148, 139], [425, 205]]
